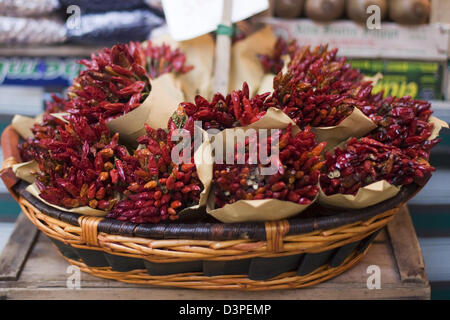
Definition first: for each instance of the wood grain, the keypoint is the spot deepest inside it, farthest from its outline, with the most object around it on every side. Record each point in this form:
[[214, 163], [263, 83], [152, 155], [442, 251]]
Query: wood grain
[[406, 248], [16, 250]]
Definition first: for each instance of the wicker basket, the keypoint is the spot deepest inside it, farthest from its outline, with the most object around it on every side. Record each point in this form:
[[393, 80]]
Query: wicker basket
[[302, 251]]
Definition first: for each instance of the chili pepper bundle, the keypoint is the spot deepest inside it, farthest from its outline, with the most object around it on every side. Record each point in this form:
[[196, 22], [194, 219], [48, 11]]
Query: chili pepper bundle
[[319, 89], [158, 188], [159, 59], [274, 63], [365, 161], [76, 162], [295, 180], [404, 123], [113, 84], [45, 129], [235, 110]]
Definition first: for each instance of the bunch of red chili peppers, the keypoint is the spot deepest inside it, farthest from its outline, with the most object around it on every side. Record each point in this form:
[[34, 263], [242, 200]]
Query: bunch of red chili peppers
[[296, 171], [83, 164], [117, 80], [364, 161], [158, 189], [403, 122], [76, 162]]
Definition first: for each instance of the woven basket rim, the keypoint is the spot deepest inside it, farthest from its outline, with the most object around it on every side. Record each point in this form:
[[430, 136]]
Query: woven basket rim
[[222, 231], [216, 230]]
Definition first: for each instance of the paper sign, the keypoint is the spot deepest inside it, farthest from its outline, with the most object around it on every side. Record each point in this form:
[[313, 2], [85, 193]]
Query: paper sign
[[193, 18]]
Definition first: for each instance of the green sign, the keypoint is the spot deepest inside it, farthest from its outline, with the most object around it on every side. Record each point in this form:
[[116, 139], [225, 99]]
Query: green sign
[[418, 79]]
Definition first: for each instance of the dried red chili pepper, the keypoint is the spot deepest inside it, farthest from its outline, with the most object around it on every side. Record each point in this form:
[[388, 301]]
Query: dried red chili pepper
[[159, 59], [296, 178], [74, 158], [403, 122], [234, 110], [159, 188], [319, 89], [364, 161], [274, 63]]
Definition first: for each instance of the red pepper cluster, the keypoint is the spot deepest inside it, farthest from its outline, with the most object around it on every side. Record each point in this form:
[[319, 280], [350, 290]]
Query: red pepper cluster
[[116, 80], [318, 88], [296, 179], [114, 83], [157, 187], [402, 122], [274, 63], [159, 59], [364, 161], [76, 163], [235, 110]]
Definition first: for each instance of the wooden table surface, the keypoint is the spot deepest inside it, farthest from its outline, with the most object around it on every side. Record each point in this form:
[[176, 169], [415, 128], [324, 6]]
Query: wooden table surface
[[31, 268]]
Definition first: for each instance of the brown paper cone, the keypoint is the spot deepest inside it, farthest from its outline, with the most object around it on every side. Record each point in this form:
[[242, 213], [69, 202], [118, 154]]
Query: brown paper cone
[[245, 65], [257, 210], [130, 126], [156, 110], [438, 125], [26, 170], [60, 116], [85, 210], [199, 53], [274, 119], [355, 125], [266, 84], [367, 196], [164, 99], [377, 77], [23, 125]]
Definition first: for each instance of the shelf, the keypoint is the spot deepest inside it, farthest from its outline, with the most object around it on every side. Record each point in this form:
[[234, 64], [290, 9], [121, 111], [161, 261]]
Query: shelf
[[49, 51], [428, 42]]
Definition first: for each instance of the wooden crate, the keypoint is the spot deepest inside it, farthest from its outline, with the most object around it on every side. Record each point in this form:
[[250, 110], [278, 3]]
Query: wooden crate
[[31, 268]]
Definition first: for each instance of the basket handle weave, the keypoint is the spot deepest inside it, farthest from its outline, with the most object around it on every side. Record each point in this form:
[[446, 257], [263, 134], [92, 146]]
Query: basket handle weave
[[89, 230], [275, 232]]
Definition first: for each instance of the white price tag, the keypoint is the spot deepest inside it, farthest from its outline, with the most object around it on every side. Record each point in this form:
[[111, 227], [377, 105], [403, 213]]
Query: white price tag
[[188, 19]]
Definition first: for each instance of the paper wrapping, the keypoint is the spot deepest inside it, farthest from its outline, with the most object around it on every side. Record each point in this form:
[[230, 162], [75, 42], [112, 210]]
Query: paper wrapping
[[155, 111], [438, 125], [274, 119], [164, 98], [257, 210], [85, 210], [367, 196], [355, 125], [26, 170], [377, 77], [245, 65], [199, 53], [22, 125], [266, 84], [376, 192]]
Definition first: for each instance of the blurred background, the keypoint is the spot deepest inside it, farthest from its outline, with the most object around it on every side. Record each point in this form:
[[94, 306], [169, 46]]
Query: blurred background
[[41, 41]]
